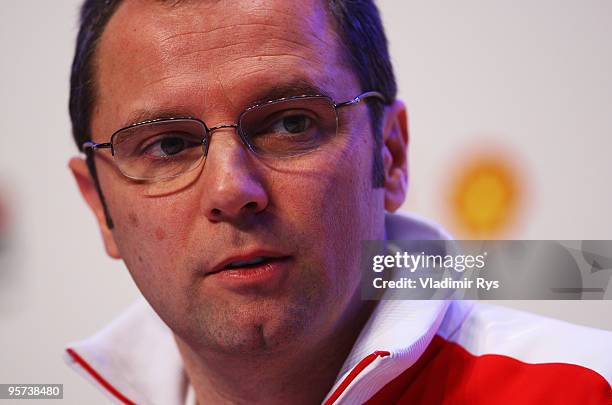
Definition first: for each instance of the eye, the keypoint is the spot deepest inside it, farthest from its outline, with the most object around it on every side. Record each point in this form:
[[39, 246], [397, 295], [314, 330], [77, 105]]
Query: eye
[[169, 145], [292, 124]]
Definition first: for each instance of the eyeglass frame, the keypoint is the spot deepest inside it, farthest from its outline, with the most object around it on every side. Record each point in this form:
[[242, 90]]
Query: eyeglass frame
[[90, 146]]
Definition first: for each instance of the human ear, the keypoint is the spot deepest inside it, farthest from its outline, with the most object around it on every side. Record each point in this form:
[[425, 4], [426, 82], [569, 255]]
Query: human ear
[[395, 154], [88, 189]]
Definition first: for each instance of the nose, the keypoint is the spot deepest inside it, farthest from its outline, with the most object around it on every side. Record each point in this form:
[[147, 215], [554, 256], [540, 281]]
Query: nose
[[233, 184]]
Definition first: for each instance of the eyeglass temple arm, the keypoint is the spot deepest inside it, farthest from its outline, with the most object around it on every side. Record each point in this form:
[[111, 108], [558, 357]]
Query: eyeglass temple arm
[[89, 145], [363, 96]]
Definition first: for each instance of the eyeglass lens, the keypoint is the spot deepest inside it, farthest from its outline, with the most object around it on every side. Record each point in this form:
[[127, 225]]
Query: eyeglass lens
[[168, 148]]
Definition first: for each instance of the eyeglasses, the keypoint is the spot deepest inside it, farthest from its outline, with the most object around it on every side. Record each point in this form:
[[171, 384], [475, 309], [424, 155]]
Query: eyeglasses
[[165, 148]]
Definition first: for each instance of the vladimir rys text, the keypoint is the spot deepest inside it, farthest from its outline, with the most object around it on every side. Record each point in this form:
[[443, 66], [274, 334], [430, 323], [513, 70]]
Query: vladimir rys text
[[427, 267]]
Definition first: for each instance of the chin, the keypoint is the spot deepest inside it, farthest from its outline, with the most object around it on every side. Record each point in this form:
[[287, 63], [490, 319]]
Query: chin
[[259, 328]]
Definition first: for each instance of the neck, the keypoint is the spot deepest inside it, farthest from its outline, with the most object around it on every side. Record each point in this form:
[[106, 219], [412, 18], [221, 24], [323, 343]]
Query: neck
[[296, 375]]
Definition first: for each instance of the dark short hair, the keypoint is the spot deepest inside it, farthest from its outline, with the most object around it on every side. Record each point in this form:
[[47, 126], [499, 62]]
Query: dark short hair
[[357, 22]]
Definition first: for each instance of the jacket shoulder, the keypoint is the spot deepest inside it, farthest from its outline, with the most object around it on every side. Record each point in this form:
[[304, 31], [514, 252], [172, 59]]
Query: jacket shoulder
[[484, 329], [485, 354]]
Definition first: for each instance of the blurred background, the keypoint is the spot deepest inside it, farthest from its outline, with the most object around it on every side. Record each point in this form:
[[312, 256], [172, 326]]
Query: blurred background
[[510, 108]]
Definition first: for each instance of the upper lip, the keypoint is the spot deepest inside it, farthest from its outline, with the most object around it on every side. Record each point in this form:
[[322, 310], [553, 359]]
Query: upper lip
[[268, 254]]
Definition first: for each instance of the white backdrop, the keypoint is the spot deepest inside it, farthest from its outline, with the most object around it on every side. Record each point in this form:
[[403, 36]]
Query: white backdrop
[[533, 76]]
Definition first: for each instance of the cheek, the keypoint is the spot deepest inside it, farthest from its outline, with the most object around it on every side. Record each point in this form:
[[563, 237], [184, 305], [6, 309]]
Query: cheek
[[151, 249], [149, 232], [336, 207]]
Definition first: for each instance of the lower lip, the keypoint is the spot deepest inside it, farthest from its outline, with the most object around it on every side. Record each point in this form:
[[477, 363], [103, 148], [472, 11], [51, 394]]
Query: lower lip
[[267, 275]]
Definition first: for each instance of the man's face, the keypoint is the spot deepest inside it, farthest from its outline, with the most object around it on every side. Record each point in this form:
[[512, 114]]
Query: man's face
[[210, 60]]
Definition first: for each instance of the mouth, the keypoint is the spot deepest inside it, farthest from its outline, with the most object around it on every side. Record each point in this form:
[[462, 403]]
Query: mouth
[[250, 265], [260, 272]]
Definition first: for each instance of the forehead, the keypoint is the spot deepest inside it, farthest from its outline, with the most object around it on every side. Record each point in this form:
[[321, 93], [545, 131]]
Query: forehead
[[156, 54]]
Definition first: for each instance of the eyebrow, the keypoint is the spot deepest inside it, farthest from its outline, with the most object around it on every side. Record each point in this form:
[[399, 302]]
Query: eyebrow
[[145, 114], [293, 88]]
